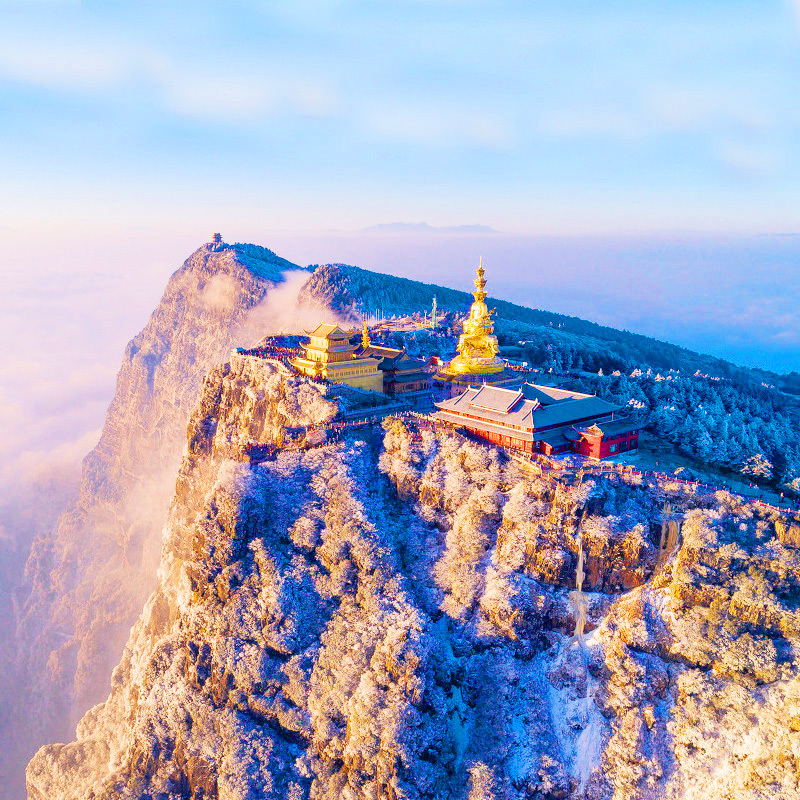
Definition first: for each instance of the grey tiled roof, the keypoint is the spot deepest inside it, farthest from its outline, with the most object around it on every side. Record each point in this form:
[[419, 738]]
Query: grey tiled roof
[[614, 427], [409, 377], [495, 398], [573, 410], [547, 395], [490, 403], [525, 436], [556, 438]]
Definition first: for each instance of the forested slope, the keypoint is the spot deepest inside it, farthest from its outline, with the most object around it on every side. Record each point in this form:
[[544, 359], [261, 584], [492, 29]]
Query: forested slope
[[354, 290], [389, 616]]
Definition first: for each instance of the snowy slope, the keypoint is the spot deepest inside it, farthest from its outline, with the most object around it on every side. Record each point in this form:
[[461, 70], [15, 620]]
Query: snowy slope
[[388, 616]]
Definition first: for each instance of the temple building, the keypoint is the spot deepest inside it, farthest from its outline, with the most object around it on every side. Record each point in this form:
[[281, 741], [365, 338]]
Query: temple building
[[402, 375], [330, 355], [542, 419], [477, 361]]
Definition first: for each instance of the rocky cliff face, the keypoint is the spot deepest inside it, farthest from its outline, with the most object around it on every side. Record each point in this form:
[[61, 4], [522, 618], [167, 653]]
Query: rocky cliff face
[[387, 616], [86, 581]]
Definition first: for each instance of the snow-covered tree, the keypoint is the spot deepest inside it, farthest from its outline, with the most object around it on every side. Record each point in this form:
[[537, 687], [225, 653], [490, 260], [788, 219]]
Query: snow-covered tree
[[757, 466]]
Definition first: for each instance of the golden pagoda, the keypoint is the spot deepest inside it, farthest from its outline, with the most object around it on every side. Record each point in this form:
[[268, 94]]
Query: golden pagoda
[[330, 355], [477, 346]]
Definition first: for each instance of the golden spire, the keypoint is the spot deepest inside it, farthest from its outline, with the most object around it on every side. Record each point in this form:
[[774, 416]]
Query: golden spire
[[365, 336], [480, 283]]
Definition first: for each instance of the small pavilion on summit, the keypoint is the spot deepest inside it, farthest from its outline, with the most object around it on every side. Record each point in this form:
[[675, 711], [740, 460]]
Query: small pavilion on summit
[[542, 419]]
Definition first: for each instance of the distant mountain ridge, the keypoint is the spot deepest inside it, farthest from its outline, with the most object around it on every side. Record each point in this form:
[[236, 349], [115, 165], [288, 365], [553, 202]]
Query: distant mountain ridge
[[424, 227]]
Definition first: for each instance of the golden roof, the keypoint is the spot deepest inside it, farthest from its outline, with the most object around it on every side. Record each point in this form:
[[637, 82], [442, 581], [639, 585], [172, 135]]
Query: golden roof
[[326, 330]]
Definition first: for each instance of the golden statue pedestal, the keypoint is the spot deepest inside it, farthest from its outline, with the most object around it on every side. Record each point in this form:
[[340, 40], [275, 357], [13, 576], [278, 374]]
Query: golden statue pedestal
[[473, 366]]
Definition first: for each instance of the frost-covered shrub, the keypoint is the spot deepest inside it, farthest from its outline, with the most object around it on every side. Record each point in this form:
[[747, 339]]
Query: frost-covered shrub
[[484, 783], [748, 658], [460, 570]]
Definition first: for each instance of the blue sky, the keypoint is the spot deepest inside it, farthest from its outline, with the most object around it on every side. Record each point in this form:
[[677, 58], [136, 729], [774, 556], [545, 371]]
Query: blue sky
[[531, 117], [631, 154]]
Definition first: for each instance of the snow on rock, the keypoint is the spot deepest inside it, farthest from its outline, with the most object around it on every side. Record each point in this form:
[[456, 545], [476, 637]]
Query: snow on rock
[[388, 617], [86, 580]]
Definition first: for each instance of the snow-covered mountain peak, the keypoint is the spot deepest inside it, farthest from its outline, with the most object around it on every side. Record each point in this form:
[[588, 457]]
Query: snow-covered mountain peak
[[224, 257], [87, 580]]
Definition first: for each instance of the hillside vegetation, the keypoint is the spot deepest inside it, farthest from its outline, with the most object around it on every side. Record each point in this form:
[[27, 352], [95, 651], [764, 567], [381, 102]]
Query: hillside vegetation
[[389, 616]]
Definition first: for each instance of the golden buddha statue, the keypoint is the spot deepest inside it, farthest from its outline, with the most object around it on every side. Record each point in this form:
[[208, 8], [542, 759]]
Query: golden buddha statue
[[477, 346]]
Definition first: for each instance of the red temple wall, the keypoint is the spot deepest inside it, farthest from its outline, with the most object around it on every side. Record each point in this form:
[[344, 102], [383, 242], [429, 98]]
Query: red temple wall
[[597, 448], [504, 441], [606, 444]]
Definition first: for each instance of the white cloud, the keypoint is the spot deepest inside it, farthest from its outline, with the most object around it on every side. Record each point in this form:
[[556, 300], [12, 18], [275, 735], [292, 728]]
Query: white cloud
[[587, 121], [749, 159], [697, 107], [795, 6], [41, 413], [432, 125], [27, 5], [231, 93], [220, 292], [662, 109], [57, 464], [49, 420], [187, 85], [281, 312], [56, 64]]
